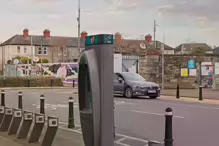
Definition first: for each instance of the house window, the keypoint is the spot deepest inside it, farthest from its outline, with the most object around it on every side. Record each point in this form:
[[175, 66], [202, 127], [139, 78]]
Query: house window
[[18, 49], [39, 51], [25, 50], [45, 51]]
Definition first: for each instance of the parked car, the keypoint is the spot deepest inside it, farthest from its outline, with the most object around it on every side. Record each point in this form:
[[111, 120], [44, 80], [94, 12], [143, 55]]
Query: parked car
[[132, 85]]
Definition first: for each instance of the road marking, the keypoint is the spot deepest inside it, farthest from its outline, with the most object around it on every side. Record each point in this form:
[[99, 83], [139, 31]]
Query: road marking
[[122, 103], [122, 143], [70, 130], [157, 114], [122, 135], [121, 139]]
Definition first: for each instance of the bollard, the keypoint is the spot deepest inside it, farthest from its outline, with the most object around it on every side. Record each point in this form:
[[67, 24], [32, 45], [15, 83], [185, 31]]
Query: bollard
[[4, 82], [51, 82], [177, 91], [6, 119], [71, 123], [200, 93], [2, 113], [28, 82], [26, 124], [50, 131], [37, 128], [2, 98], [16, 121], [42, 104], [154, 143], [20, 104], [168, 141], [73, 83]]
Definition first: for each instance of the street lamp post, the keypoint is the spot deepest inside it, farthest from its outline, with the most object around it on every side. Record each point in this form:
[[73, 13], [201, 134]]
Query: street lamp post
[[162, 49], [41, 55], [79, 25]]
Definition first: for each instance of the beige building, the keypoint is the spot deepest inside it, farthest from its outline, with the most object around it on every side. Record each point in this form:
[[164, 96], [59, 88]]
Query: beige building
[[54, 48]]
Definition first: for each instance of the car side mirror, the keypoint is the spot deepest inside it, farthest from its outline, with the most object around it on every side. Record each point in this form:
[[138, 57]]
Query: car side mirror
[[120, 80]]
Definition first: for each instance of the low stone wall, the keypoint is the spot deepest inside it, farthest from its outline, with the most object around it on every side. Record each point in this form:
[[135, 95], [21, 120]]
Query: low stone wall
[[151, 69]]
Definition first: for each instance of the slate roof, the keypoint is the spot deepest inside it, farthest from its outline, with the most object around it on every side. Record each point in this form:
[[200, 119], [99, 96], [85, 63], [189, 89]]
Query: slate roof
[[136, 44], [129, 43], [166, 47], [216, 50], [36, 41], [190, 46]]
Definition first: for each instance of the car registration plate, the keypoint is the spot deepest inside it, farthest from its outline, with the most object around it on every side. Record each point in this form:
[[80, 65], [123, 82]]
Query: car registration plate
[[151, 91]]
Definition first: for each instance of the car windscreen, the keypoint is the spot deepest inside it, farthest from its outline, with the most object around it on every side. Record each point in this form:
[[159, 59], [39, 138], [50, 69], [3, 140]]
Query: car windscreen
[[133, 77]]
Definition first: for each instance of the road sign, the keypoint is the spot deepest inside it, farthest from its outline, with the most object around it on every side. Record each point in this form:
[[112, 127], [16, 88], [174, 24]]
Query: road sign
[[191, 64], [36, 59], [99, 39], [16, 61]]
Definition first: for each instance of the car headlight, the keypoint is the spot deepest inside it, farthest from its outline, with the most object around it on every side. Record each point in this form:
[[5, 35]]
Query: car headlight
[[135, 86]]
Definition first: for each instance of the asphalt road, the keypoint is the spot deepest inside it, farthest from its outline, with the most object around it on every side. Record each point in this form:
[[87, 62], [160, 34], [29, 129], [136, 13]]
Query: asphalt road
[[194, 124]]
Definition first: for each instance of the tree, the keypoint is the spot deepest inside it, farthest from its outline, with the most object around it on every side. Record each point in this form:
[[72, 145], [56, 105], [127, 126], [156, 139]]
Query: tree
[[198, 51]]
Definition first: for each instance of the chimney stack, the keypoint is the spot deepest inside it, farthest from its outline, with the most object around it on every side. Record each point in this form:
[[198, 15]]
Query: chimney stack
[[84, 35], [148, 38], [46, 33], [26, 33], [118, 37]]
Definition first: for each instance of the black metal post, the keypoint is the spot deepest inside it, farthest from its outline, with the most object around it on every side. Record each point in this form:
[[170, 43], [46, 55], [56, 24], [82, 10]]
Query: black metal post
[[42, 104], [2, 98], [200, 93], [52, 81], [73, 83], [177, 91], [168, 141], [4, 82], [71, 122], [28, 82], [20, 104]]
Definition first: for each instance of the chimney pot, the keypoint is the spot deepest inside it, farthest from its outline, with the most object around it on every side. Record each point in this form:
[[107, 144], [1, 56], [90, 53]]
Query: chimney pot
[[46, 33], [26, 33], [84, 35], [118, 37], [148, 38]]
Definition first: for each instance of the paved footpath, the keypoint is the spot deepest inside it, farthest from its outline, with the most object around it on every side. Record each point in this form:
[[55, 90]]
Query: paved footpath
[[64, 137], [207, 93]]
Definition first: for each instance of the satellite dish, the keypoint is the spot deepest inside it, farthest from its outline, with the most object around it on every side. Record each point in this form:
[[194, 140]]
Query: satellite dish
[[142, 46]]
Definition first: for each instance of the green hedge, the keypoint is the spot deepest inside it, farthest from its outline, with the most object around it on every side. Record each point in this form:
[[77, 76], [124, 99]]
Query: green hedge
[[33, 82]]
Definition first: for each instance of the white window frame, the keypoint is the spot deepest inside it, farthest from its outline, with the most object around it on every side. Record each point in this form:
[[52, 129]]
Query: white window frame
[[45, 50], [18, 49], [39, 50], [25, 50]]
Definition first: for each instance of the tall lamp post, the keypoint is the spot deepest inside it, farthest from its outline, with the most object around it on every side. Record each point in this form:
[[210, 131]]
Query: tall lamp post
[[79, 25], [41, 55]]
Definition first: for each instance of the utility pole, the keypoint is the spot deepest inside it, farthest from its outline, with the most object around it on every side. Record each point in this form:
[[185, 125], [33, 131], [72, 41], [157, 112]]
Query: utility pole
[[155, 34], [31, 43], [79, 26], [41, 56], [162, 49]]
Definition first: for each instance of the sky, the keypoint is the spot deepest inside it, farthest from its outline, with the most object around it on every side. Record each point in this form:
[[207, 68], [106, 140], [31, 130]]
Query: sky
[[178, 21]]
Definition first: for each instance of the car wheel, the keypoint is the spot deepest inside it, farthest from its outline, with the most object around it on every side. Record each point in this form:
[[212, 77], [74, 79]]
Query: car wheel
[[128, 92], [153, 97]]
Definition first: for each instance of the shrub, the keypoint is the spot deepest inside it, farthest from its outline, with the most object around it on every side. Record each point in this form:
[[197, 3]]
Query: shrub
[[34, 81], [44, 60], [26, 60]]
